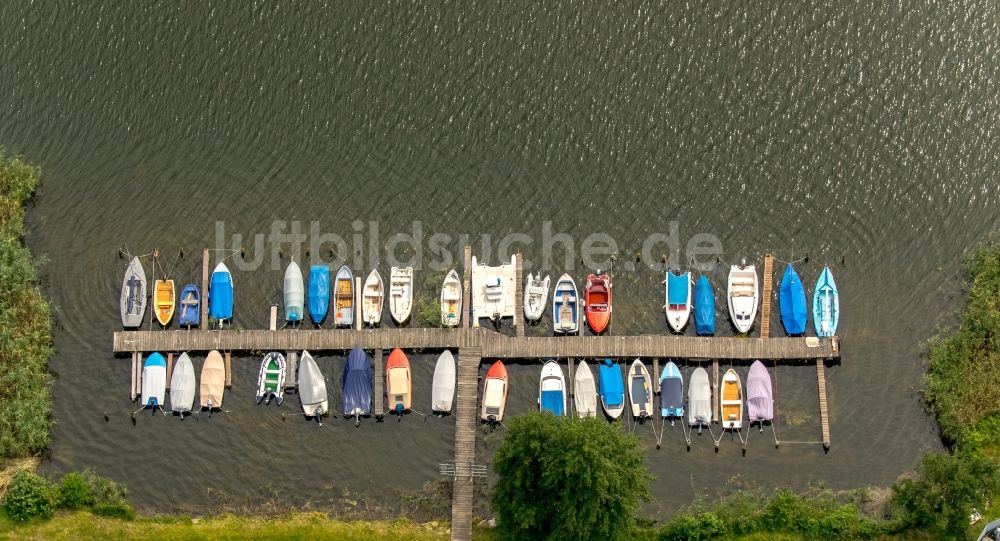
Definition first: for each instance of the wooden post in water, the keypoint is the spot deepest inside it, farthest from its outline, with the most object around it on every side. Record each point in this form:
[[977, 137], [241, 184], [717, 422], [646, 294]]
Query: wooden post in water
[[715, 390], [656, 375], [273, 322], [518, 296], [170, 367], [765, 307], [133, 384], [824, 419], [229, 371], [204, 289], [569, 363], [357, 303], [378, 378], [467, 290]]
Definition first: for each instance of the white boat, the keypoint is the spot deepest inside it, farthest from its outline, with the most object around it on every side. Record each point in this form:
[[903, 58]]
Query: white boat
[[154, 382], [343, 298], [699, 400], [401, 293], [565, 306], [584, 391], [372, 295], [443, 385], [640, 390], [295, 293], [552, 389], [182, 386], [494, 393], [133, 299], [731, 401], [742, 294], [451, 300], [536, 293], [677, 298], [312, 388]]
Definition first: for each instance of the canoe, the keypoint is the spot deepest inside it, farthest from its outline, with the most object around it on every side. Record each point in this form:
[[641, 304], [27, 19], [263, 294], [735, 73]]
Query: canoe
[[611, 388], [742, 294], [584, 391], [271, 378], [495, 387], [220, 294], [154, 381], [213, 381], [398, 382], [640, 390], [400, 293], [704, 308], [190, 307], [357, 383], [295, 293], [451, 300], [671, 392], [678, 300], [565, 300], [552, 389], [163, 301], [443, 386], [344, 302], [699, 399], [731, 400], [371, 298], [792, 300], [536, 293], [182, 386], [826, 304], [597, 296], [318, 297], [133, 299], [312, 388], [760, 399]]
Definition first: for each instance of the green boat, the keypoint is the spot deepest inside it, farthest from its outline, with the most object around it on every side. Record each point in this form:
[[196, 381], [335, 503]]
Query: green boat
[[271, 382]]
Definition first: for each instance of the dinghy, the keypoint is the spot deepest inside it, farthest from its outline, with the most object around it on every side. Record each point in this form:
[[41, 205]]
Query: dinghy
[[295, 297], [760, 401], [163, 301], [640, 391], [400, 293], [190, 307], [133, 300], [792, 300], [704, 308], [319, 293], [742, 296], [584, 391], [536, 293], [182, 386], [357, 384], [312, 389], [213, 381], [220, 294], [451, 300], [271, 379], [699, 401], [344, 288], [671, 393], [371, 298], [598, 301], [678, 297], [564, 306], [154, 382], [398, 382], [552, 389], [731, 401], [443, 386], [826, 304], [611, 388], [494, 393]]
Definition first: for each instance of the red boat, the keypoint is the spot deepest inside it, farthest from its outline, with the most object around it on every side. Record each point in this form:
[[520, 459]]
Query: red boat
[[494, 393], [598, 298], [398, 383]]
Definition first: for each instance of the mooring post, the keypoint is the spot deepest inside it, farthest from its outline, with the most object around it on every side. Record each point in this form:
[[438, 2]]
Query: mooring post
[[656, 375], [133, 384], [204, 289], [273, 323], [229, 371], [170, 367]]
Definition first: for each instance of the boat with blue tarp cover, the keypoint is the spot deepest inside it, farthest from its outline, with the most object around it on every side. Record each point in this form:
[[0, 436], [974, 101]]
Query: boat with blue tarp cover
[[357, 385], [704, 308], [552, 389], [611, 387], [792, 300]]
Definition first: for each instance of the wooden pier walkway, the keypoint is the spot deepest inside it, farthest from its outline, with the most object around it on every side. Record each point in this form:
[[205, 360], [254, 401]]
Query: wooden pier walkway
[[466, 422], [765, 305]]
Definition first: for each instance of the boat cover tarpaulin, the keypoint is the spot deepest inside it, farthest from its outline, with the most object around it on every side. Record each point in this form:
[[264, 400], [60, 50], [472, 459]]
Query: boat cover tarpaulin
[[759, 400], [220, 294], [704, 308], [792, 299], [319, 292], [672, 393], [358, 383], [640, 394], [677, 288], [612, 388], [699, 398], [553, 401]]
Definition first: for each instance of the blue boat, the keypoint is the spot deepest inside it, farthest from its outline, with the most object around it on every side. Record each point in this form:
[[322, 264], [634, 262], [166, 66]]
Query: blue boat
[[826, 304], [671, 392], [220, 294], [611, 388], [678, 297], [190, 306], [704, 308], [357, 385], [319, 292], [792, 299], [552, 389]]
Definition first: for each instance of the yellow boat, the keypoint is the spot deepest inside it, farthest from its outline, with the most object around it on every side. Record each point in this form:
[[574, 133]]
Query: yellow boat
[[731, 401], [163, 301]]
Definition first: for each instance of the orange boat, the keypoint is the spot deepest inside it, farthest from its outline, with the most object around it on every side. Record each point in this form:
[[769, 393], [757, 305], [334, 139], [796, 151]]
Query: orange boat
[[494, 393], [398, 383], [598, 297]]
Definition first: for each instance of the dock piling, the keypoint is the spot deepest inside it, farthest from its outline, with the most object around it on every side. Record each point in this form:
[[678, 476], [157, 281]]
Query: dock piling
[[229, 371], [273, 322], [134, 384]]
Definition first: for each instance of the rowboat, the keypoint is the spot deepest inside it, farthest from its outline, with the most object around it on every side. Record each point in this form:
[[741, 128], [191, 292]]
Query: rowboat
[[357, 383], [295, 296], [584, 391], [678, 300], [312, 389], [826, 304], [704, 308], [271, 379], [640, 391], [552, 389], [182, 386], [398, 382], [220, 294], [318, 297], [190, 307], [154, 382], [760, 399], [443, 385], [451, 300], [400, 293], [671, 392], [699, 400], [344, 288], [597, 295], [564, 306], [731, 401], [163, 301], [494, 393], [742, 296], [371, 298], [792, 299], [611, 387], [213, 381], [133, 299], [536, 293]]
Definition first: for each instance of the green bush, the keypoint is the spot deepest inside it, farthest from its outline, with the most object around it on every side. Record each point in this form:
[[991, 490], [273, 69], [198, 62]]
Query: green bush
[[122, 511], [104, 490], [75, 492], [28, 496], [688, 527]]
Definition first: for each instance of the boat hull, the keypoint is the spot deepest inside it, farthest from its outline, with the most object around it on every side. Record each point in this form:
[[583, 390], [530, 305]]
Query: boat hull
[[598, 302], [163, 301], [495, 389], [344, 298], [565, 306], [398, 382], [319, 293], [133, 295]]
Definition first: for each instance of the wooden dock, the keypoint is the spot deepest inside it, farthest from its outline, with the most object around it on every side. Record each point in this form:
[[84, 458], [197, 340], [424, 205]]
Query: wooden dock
[[378, 377], [466, 422], [824, 419], [765, 307]]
